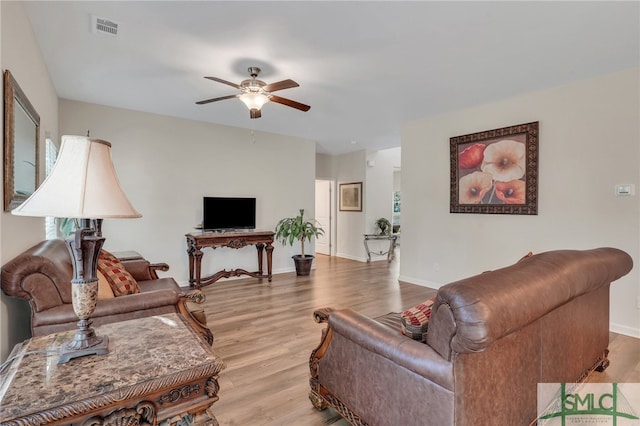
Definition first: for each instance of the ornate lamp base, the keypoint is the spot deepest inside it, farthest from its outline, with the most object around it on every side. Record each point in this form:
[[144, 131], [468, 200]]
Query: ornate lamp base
[[69, 351], [84, 248]]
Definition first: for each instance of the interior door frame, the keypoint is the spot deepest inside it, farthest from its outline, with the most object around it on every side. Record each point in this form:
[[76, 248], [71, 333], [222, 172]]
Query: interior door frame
[[331, 232]]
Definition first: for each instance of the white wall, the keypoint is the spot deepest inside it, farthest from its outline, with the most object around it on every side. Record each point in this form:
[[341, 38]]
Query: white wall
[[324, 167], [152, 154], [375, 169], [379, 195], [325, 172], [166, 165], [379, 189], [21, 55], [350, 225], [589, 142]]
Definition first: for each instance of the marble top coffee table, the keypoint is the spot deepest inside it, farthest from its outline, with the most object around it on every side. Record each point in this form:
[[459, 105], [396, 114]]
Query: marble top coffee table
[[158, 370]]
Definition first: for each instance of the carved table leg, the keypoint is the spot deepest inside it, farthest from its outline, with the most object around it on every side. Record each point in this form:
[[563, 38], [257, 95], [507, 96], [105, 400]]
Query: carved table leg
[[260, 249], [197, 254], [366, 248], [190, 250], [269, 259], [392, 247]]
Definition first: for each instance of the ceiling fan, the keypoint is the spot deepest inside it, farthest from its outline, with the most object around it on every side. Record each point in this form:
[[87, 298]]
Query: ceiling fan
[[255, 93]]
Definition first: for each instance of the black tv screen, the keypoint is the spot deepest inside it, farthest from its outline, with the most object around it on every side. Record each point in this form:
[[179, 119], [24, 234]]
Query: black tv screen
[[224, 213]]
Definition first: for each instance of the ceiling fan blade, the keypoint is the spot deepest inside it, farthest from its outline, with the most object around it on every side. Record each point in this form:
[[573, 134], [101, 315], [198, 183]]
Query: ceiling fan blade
[[284, 84], [219, 80], [289, 103], [207, 101], [255, 113]]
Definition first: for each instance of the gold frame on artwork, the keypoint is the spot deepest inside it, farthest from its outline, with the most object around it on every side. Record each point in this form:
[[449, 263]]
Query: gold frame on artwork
[[351, 197], [21, 144]]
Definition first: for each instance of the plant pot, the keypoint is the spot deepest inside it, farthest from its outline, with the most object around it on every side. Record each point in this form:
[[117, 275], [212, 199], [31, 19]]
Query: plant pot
[[303, 264]]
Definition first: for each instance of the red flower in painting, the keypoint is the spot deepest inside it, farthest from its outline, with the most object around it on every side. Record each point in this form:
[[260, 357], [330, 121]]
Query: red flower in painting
[[512, 192], [471, 157], [473, 187]]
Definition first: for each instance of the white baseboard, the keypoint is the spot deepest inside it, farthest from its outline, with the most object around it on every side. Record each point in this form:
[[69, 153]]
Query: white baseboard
[[348, 256], [417, 281], [183, 284], [284, 270], [379, 259], [623, 329]]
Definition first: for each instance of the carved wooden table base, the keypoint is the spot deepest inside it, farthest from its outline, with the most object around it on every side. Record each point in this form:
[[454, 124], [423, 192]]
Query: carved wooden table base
[[263, 240]]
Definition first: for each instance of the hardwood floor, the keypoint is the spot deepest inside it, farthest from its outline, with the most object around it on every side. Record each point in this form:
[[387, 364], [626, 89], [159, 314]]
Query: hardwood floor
[[265, 333]]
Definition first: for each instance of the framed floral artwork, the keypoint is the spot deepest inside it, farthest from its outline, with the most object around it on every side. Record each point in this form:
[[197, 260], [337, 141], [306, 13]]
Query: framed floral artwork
[[351, 197], [495, 171]]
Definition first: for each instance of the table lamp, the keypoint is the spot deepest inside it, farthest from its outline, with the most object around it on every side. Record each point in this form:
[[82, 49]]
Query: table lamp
[[83, 185]]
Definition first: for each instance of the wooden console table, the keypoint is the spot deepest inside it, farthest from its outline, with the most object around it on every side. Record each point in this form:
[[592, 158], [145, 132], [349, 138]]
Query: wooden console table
[[263, 240], [158, 371], [393, 238]]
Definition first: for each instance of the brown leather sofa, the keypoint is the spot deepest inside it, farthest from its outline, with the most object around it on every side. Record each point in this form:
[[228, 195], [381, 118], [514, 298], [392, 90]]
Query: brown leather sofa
[[42, 275], [491, 339]]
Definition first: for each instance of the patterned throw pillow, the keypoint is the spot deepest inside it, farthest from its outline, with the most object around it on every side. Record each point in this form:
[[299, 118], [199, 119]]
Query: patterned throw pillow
[[415, 320], [104, 288], [120, 280]]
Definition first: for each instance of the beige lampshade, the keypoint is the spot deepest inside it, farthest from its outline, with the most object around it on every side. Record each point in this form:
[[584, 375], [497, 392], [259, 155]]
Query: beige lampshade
[[83, 184]]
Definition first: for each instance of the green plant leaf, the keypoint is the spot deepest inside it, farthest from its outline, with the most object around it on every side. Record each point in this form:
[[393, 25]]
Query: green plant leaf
[[291, 229]]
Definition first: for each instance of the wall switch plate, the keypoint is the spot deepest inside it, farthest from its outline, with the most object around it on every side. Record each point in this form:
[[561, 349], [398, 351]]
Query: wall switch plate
[[625, 189]]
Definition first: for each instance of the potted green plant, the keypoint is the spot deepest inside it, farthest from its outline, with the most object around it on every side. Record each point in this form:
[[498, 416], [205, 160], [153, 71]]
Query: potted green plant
[[297, 228], [384, 226]]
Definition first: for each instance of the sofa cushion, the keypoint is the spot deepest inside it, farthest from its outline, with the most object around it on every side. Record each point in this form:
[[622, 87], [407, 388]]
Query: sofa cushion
[[120, 280], [166, 283], [415, 320], [162, 301], [391, 320]]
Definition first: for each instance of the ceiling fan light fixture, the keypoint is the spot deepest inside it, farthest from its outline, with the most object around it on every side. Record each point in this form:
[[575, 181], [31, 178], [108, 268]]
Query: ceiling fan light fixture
[[255, 93], [254, 100]]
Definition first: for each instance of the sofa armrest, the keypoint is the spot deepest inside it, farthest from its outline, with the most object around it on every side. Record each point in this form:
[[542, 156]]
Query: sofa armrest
[[196, 318], [401, 350], [322, 315], [373, 374], [143, 270], [155, 267]]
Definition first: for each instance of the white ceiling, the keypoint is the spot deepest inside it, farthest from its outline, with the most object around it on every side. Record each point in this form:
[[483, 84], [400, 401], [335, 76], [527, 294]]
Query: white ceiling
[[364, 67]]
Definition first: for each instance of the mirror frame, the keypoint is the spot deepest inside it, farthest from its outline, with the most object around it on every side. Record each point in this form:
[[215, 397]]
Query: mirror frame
[[13, 96]]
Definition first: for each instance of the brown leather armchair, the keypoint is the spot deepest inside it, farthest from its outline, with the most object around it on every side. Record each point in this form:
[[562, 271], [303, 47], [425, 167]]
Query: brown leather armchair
[[42, 276], [491, 339]]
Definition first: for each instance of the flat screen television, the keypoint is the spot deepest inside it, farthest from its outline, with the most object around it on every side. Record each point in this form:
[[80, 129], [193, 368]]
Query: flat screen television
[[226, 213]]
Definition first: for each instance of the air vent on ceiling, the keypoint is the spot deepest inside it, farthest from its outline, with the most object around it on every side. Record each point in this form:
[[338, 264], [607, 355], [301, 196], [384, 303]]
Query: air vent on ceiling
[[104, 26]]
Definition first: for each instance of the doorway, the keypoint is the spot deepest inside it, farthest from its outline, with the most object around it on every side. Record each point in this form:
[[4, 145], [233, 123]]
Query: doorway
[[323, 215]]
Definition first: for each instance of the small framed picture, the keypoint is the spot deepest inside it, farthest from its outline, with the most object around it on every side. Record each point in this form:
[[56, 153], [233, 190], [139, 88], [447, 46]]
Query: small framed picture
[[351, 197]]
